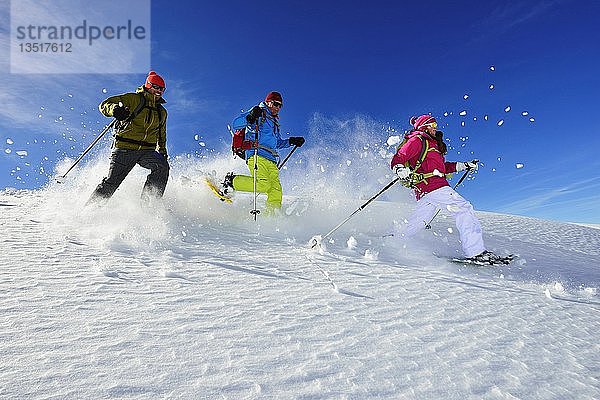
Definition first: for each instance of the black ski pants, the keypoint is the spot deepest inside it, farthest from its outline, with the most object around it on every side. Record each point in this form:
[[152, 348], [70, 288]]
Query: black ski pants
[[122, 162]]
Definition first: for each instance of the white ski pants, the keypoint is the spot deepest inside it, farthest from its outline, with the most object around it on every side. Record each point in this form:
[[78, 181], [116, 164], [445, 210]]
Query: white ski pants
[[447, 199]]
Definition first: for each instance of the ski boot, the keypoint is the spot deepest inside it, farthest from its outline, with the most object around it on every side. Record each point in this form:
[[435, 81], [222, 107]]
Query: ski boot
[[227, 185]]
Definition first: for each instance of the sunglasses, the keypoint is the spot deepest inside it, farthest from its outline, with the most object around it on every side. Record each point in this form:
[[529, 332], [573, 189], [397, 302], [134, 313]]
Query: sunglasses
[[156, 87], [277, 104]]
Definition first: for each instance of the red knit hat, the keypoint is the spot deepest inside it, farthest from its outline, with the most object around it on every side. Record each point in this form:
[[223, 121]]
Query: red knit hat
[[274, 96], [154, 78], [422, 121]]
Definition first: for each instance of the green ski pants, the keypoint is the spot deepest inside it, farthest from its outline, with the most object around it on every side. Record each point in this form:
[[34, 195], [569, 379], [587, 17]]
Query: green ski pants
[[267, 181]]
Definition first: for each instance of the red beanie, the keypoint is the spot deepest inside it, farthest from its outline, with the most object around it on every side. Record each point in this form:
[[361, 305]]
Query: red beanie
[[422, 121], [154, 78], [274, 96]]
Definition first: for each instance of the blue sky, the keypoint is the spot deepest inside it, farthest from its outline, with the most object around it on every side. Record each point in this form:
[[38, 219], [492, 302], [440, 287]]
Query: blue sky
[[378, 60]]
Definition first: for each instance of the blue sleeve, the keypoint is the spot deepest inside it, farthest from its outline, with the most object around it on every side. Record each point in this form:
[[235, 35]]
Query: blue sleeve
[[281, 143]]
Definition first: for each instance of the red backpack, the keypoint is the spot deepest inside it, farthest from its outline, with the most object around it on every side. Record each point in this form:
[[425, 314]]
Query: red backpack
[[239, 144]]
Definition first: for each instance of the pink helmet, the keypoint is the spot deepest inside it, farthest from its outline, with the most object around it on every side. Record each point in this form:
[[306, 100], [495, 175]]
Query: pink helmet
[[422, 121]]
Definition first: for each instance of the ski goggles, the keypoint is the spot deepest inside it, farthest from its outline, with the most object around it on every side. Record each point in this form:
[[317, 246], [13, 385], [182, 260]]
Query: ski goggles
[[432, 124], [157, 87], [277, 104]]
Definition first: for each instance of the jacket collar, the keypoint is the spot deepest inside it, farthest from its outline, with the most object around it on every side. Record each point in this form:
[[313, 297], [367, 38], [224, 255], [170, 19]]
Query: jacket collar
[[149, 96], [415, 132], [270, 115]]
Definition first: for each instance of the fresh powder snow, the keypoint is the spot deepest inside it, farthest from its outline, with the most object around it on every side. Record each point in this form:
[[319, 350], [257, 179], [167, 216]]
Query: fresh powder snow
[[189, 298]]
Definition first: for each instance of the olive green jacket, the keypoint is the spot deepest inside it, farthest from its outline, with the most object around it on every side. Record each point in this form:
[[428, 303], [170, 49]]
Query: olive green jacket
[[147, 130]]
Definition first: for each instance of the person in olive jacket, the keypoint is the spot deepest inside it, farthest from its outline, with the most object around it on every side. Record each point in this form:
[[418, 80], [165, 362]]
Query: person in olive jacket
[[140, 138]]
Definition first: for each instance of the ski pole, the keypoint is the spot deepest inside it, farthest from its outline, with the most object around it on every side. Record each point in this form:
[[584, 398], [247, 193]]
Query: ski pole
[[287, 157], [255, 211], [389, 185], [462, 178], [106, 129]]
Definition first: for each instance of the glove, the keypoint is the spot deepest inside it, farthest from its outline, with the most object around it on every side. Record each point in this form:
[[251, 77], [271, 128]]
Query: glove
[[121, 113], [297, 141], [402, 171], [164, 154], [254, 114], [467, 165]]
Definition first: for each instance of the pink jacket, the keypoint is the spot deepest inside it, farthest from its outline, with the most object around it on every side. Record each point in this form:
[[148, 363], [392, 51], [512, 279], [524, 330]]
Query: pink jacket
[[411, 150]]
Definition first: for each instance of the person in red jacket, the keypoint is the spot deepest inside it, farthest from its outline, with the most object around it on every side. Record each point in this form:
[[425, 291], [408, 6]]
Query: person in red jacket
[[420, 161]]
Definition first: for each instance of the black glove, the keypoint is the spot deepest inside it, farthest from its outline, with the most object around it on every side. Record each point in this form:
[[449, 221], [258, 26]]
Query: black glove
[[254, 114], [297, 141], [121, 113], [164, 154]]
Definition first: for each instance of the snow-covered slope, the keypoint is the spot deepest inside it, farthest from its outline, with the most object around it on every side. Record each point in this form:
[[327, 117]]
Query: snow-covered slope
[[190, 298]]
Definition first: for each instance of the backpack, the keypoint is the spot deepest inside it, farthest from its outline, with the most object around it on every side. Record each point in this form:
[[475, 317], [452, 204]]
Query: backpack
[[239, 144], [141, 105], [415, 177], [424, 150]]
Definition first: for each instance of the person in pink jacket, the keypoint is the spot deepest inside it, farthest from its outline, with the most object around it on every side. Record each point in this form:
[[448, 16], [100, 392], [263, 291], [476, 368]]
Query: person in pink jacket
[[420, 163]]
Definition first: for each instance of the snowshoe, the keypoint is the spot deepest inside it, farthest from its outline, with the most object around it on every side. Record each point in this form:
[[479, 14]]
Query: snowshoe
[[219, 190], [487, 258]]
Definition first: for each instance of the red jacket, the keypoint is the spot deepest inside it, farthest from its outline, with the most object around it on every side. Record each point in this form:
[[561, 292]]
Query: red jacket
[[411, 150]]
